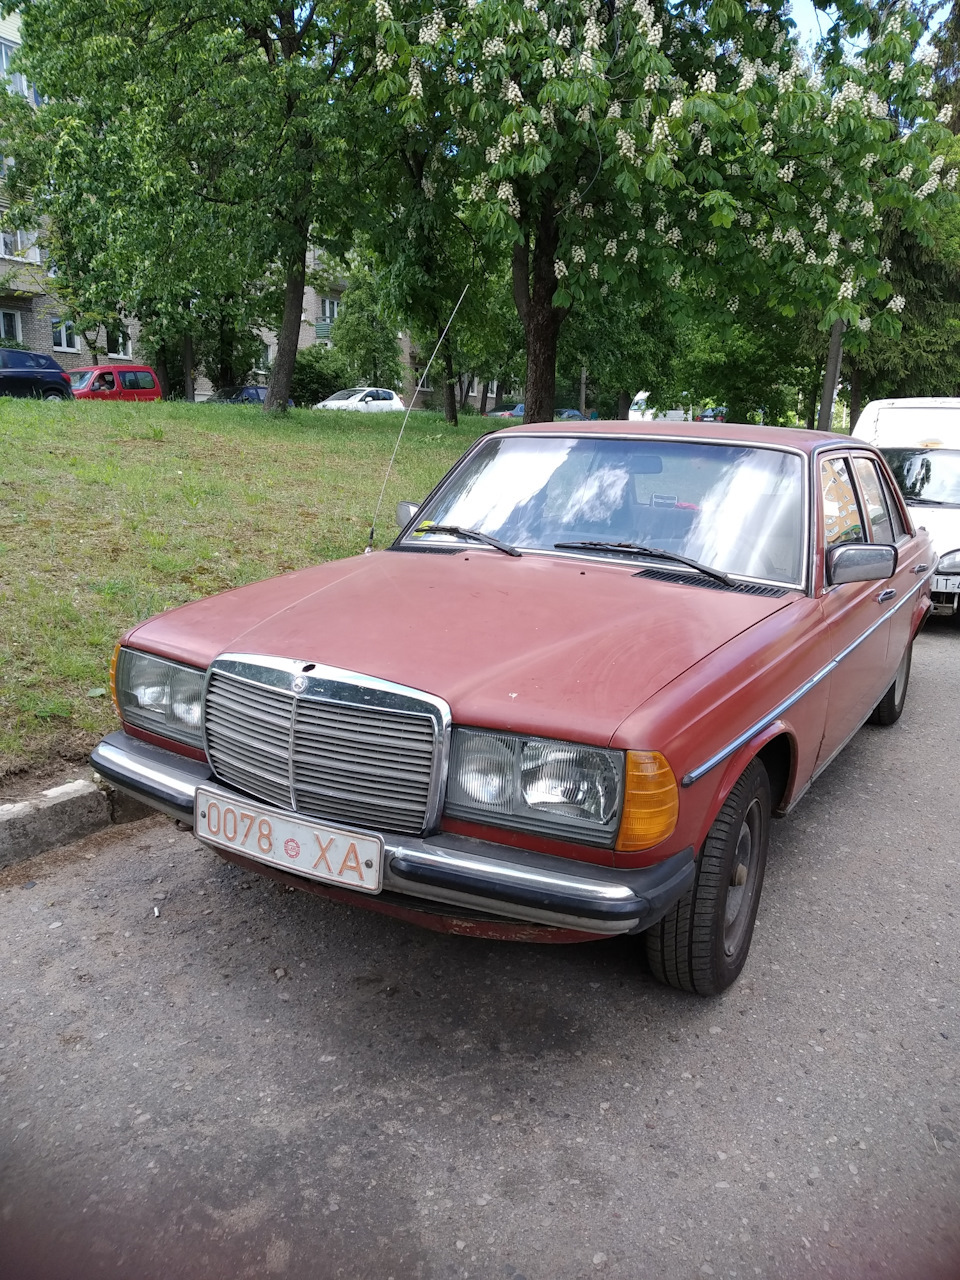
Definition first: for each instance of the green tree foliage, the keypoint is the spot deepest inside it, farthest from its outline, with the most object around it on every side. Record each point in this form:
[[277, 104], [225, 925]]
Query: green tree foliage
[[319, 371], [364, 333], [610, 143], [182, 151]]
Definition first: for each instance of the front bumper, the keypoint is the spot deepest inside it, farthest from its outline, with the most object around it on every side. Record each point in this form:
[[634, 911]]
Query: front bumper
[[477, 875]]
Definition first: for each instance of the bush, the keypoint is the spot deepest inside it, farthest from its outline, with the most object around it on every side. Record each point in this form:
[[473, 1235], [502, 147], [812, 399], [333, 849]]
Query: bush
[[318, 372]]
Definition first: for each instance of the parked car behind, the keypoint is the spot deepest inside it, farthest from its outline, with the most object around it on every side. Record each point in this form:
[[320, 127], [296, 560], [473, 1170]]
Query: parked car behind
[[32, 373], [920, 438], [115, 382], [564, 704], [516, 412], [364, 399], [240, 395]]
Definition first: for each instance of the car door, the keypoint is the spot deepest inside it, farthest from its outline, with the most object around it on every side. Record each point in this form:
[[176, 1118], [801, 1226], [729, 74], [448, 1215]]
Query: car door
[[146, 385], [885, 523], [858, 614], [18, 375], [104, 386]]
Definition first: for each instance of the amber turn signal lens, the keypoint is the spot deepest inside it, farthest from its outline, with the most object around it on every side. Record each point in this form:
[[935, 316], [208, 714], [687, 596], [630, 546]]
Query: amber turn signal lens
[[113, 679], [651, 801]]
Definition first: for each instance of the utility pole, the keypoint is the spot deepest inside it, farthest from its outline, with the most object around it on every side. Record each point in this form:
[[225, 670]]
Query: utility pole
[[831, 376]]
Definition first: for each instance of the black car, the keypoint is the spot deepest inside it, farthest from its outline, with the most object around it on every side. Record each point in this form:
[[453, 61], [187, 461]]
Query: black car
[[31, 373]]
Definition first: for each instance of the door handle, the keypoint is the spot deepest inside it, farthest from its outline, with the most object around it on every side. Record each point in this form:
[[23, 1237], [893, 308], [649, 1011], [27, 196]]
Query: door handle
[[920, 568], [884, 596]]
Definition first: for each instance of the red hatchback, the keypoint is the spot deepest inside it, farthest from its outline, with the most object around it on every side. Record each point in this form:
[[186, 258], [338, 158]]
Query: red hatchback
[[115, 382]]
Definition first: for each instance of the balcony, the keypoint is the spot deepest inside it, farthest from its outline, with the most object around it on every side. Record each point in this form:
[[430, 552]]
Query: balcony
[[323, 328]]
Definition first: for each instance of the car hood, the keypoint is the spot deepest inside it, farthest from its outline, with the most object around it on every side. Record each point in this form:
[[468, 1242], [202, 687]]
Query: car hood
[[942, 524], [559, 646]]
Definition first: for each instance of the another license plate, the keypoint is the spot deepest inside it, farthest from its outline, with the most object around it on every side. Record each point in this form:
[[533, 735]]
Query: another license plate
[[950, 585], [301, 845]]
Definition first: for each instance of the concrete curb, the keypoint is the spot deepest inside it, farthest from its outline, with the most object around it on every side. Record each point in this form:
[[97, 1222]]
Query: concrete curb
[[61, 815]]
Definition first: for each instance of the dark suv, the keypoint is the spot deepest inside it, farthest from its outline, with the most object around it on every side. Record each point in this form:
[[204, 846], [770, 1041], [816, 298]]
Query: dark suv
[[31, 373]]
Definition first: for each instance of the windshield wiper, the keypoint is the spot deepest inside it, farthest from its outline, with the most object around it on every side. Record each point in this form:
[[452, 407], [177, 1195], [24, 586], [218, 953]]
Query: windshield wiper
[[652, 553], [930, 502], [459, 531]]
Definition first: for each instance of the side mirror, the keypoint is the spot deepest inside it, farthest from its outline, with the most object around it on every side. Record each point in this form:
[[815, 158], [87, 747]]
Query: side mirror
[[405, 513], [860, 562]]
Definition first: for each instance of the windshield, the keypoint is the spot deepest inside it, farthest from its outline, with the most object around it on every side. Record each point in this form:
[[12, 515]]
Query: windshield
[[736, 508], [80, 378], [932, 420], [927, 475], [345, 395]]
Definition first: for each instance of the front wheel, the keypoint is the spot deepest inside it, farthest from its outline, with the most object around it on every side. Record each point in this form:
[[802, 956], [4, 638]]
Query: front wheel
[[702, 943], [890, 707]]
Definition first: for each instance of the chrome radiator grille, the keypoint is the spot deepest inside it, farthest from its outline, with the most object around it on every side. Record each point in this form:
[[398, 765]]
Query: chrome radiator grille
[[370, 765]]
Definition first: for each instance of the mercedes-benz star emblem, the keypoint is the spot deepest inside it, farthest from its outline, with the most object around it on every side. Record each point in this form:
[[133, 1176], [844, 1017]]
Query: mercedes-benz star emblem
[[299, 684]]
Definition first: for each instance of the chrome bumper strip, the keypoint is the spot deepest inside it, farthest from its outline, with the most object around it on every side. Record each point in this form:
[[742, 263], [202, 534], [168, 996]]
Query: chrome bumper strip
[[514, 884]]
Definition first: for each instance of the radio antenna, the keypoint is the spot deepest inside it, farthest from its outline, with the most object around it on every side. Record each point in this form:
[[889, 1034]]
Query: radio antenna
[[369, 547]]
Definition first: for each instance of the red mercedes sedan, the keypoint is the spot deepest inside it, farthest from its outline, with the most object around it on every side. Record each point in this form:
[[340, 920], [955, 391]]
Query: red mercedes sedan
[[564, 704]]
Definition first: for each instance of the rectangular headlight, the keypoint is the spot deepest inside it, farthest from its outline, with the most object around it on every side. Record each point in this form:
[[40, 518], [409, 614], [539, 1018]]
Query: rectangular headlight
[[163, 697], [561, 789], [949, 562]]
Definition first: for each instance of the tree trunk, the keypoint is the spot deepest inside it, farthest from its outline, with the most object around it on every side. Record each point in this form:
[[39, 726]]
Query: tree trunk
[[187, 349], [484, 390], [831, 376], [449, 383], [534, 284], [281, 376], [624, 399], [856, 395], [810, 415], [163, 374], [583, 389]]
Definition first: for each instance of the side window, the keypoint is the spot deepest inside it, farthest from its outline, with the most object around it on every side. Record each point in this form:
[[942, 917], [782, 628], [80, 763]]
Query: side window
[[145, 380], [878, 516], [896, 517], [842, 521], [128, 379]]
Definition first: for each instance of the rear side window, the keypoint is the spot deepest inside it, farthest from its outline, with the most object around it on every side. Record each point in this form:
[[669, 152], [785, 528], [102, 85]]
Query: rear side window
[[145, 380], [878, 515]]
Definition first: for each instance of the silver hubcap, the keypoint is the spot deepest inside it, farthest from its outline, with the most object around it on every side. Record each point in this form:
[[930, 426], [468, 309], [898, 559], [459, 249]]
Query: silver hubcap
[[743, 877]]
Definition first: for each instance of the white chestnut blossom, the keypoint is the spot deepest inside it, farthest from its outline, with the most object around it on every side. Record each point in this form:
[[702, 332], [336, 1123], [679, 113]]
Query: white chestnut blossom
[[707, 82], [494, 46], [945, 115], [905, 173], [626, 145], [676, 280], [510, 92], [613, 111], [431, 29], [631, 255], [559, 269], [383, 11], [594, 271], [610, 249], [896, 303], [578, 254]]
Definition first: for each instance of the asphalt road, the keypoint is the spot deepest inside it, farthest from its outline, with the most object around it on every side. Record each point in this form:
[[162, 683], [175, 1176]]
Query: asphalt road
[[205, 1075]]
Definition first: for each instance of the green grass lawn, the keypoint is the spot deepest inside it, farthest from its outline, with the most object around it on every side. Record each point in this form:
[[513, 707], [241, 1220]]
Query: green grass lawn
[[112, 512]]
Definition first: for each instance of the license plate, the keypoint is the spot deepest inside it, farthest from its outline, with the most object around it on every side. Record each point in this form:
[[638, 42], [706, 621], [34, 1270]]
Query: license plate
[[301, 845], [951, 585]]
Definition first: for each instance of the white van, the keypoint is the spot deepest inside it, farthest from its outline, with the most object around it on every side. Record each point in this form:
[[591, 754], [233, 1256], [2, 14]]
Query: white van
[[640, 412], [921, 441]]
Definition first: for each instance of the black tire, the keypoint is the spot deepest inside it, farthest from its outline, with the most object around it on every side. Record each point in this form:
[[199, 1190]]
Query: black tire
[[702, 943], [51, 394], [890, 707]]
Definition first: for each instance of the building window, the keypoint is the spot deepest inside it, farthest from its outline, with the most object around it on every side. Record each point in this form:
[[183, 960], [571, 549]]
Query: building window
[[329, 309], [16, 83], [19, 244], [10, 328], [64, 336], [118, 342]]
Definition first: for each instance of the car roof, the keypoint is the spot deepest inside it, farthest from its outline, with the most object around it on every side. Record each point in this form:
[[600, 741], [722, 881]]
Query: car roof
[[90, 368], [721, 433]]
